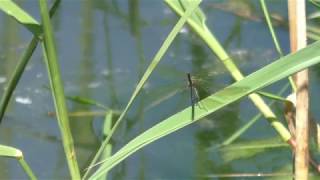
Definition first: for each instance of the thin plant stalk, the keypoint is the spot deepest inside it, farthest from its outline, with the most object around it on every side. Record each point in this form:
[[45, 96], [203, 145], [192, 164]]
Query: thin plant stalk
[[51, 60], [298, 40], [27, 168], [269, 23], [107, 125], [273, 35]]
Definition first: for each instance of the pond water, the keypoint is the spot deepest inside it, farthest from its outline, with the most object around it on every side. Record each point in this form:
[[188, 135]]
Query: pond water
[[104, 46]]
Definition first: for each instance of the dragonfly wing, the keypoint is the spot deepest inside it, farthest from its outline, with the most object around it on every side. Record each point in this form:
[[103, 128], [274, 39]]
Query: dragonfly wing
[[195, 95]]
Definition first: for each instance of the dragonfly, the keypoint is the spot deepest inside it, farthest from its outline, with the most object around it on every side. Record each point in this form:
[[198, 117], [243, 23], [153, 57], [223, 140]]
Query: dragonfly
[[198, 84], [191, 86], [194, 96]]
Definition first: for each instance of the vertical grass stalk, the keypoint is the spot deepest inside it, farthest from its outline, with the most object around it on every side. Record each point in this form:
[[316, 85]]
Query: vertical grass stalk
[[298, 40], [269, 23], [273, 35], [57, 91], [26, 168], [107, 125]]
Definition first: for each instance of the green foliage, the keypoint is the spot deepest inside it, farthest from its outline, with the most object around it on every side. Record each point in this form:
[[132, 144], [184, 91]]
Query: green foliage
[[272, 73], [189, 12]]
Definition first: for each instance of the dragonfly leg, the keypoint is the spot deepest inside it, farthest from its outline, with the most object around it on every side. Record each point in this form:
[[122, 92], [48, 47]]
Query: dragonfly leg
[[196, 99]]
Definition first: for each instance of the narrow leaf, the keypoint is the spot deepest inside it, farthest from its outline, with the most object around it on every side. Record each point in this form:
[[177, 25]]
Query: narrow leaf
[[11, 152], [87, 101], [249, 149], [13, 10], [8, 151]]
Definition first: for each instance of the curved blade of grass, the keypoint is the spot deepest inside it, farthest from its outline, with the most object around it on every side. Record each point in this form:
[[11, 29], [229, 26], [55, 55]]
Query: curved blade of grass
[[244, 128], [255, 81], [27, 169], [245, 150], [86, 113], [17, 73], [315, 3], [12, 9], [86, 101], [51, 60], [273, 96], [147, 73], [208, 37], [11, 152], [313, 36], [107, 125], [8, 151]]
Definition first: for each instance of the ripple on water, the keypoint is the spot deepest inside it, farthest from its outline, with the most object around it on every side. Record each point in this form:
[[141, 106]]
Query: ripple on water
[[2, 79], [23, 100]]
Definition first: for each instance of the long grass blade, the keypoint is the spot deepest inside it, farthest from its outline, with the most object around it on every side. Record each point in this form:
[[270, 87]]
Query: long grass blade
[[12, 9], [11, 152], [245, 127], [86, 101], [247, 149], [57, 91], [14, 79], [261, 78], [273, 96]]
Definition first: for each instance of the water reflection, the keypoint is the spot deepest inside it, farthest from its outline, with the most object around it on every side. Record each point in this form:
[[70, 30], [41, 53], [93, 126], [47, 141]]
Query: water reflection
[[9, 38], [82, 130], [103, 57]]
